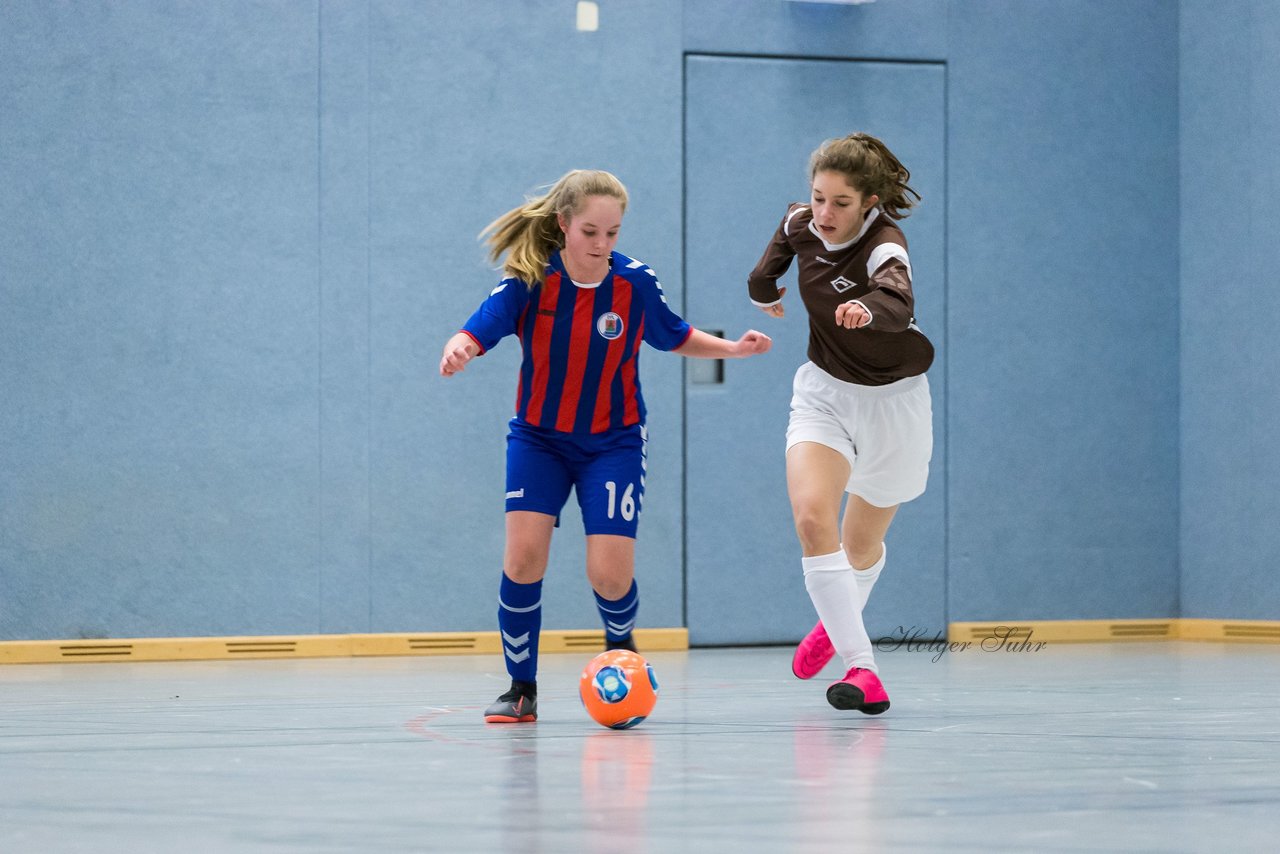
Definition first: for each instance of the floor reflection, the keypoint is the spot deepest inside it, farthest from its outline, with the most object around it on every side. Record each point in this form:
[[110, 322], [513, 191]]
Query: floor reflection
[[617, 772], [839, 768]]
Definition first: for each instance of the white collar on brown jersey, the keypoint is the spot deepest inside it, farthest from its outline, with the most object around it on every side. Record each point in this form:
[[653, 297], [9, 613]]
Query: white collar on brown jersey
[[836, 247]]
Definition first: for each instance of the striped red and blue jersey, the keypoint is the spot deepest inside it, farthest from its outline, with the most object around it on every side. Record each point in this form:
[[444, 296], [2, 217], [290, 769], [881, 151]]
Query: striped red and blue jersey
[[581, 367]]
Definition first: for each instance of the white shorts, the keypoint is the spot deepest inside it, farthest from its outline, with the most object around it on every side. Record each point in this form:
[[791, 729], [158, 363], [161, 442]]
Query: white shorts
[[885, 432]]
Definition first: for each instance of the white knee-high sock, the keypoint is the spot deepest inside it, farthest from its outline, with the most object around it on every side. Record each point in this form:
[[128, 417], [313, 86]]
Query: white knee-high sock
[[834, 592], [866, 578]]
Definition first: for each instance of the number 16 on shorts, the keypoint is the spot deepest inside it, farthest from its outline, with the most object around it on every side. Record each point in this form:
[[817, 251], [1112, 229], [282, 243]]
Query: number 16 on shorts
[[624, 506]]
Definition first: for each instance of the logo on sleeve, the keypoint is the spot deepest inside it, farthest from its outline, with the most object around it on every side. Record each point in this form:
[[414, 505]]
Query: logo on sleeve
[[609, 325], [841, 284]]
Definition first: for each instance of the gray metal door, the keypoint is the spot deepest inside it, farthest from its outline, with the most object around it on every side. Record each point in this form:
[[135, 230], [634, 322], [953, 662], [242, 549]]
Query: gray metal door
[[750, 124]]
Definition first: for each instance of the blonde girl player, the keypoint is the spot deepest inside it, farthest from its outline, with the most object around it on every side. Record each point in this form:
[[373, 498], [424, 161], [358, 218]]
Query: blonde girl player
[[581, 311], [861, 418]]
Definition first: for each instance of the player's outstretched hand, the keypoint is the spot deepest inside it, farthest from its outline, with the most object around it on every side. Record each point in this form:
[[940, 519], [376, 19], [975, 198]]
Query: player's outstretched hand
[[751, 343], [460, 349], [776, 310]]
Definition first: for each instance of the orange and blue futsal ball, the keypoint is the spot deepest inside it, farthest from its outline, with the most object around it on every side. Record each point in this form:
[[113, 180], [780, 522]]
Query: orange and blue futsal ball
[[618, 689]]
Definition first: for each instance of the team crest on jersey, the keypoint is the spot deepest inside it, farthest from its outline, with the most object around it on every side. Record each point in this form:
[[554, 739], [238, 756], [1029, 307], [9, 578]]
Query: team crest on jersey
[[609, 325], [841, 284]]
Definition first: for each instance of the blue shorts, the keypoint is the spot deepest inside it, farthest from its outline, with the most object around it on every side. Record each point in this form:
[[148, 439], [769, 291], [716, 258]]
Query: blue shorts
[[605, 469]]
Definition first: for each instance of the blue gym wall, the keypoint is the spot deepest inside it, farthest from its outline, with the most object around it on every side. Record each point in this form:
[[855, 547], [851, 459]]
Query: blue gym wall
[[1230, 255], [234, 236], [1063, 310]]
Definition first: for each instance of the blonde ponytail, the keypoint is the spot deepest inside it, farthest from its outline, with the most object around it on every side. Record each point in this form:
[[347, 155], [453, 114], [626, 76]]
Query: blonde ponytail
[[530, 233]]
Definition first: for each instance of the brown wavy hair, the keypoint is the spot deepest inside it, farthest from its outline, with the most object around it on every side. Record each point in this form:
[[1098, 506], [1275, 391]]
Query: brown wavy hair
[[871, 169]]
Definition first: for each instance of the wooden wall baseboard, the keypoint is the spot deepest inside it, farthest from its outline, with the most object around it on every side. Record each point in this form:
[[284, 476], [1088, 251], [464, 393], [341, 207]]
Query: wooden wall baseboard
[[314, 646]]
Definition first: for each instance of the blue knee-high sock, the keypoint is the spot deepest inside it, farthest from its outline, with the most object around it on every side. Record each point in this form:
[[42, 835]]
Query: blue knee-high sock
[[619, 615], [520, 620]]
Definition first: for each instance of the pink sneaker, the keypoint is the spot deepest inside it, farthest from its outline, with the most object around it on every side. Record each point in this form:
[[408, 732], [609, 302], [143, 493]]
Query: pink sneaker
[[812, 654], [859, 689]]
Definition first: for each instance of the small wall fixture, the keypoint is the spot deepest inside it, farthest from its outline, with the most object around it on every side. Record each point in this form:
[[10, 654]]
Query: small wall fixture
[[588, 16]]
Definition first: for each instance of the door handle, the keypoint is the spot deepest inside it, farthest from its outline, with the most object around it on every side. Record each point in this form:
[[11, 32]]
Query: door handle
[[707, 371]]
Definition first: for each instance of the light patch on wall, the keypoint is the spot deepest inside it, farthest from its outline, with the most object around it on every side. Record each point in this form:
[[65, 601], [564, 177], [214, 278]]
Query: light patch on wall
[[588, 16]]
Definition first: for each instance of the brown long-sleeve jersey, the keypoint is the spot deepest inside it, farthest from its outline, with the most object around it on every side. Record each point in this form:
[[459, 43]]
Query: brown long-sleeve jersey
[[873, 269]]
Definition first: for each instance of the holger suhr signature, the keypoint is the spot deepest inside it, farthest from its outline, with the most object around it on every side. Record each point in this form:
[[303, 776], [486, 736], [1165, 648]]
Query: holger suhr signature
[[1001, 639]]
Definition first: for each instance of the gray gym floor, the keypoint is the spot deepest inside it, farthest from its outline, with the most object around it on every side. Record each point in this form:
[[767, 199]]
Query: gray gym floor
[[1121, 747]]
